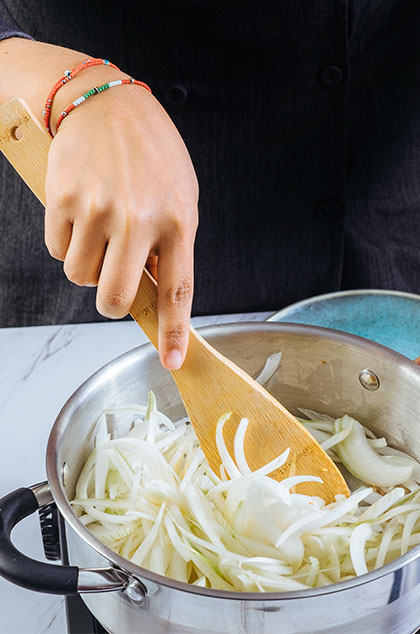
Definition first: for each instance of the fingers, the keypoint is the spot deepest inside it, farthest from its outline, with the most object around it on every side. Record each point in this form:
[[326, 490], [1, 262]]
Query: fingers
[[108, 246], [120, 276], [62, 204], [175, 292], [58, 232], [75, 234], [85, 254]]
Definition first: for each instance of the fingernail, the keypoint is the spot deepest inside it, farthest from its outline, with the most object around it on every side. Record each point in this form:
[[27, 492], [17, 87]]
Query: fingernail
[[173, 360]]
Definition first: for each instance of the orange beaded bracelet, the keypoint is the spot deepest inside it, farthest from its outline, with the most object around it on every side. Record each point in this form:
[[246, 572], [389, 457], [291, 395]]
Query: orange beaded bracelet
[[68, 75]]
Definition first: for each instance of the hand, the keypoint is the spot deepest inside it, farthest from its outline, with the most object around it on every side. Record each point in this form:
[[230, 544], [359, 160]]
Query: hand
[[120, 188]]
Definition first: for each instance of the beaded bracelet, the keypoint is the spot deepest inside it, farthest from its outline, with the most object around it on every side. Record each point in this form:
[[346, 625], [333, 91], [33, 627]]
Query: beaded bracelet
[[96, 91], [68, 75]]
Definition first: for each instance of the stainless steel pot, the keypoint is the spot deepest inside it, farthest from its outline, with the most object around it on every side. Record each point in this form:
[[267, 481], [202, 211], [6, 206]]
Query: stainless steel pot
[[321, 369]]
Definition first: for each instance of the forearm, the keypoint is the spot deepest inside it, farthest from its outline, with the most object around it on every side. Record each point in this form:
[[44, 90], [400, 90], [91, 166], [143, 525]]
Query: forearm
[[120, 186], [29, 69]]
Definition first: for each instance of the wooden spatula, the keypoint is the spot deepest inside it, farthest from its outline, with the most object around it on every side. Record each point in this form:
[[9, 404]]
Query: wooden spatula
[[210, 385]]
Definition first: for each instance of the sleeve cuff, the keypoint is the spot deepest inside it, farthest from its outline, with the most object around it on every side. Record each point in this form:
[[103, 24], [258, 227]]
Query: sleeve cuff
[[7, 30]]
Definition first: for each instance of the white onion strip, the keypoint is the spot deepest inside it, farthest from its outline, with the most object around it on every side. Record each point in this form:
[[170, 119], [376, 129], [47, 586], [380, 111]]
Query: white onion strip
[[228, 464], [358, 541], [238, 447], [271, 365]]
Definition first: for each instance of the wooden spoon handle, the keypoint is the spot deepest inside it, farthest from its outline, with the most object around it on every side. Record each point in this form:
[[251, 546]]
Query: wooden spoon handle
[[25, 143], [144, 309]]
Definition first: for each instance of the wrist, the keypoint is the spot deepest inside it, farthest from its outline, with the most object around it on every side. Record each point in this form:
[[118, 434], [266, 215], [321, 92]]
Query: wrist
[[32, 81], [79, 85]]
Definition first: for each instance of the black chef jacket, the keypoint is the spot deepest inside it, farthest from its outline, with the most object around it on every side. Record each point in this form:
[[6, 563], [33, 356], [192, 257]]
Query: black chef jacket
[[302, 118]]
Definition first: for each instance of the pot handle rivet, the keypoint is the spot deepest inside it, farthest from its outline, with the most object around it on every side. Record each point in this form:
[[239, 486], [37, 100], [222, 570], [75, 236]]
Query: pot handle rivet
[[369, 380], [135, 591]]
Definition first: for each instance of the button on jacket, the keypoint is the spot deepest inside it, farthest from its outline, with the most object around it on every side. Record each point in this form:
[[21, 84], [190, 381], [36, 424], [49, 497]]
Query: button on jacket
[[303, 123]]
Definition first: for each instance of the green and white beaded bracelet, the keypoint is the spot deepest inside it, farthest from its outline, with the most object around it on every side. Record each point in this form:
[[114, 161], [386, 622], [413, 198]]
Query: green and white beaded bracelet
[[95, 91]]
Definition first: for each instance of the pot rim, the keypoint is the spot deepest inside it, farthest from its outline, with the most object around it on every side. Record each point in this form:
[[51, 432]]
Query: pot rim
[[61, 499]]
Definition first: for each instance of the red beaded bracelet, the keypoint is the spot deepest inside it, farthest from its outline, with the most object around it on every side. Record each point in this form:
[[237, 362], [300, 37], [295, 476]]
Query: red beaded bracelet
[[96, 91], [68, 75]]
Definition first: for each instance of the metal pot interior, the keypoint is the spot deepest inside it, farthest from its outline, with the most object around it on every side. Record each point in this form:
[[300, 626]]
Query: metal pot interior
[[319, 370]]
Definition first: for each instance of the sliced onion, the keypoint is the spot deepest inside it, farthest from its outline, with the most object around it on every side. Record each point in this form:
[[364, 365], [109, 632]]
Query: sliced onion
[[409, 524], [363, 461], [387, 537], [153, 498], [358, 541], [228, 464], [144, 548], [383, 504], [271, 365], [238, 447], [336, 438]]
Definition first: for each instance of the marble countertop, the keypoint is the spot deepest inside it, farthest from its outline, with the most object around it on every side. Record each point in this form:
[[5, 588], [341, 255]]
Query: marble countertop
[[40, 368]]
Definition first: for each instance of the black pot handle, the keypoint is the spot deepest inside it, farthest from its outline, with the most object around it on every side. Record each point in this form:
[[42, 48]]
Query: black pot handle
[[17, 567], [49, 578]]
